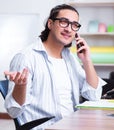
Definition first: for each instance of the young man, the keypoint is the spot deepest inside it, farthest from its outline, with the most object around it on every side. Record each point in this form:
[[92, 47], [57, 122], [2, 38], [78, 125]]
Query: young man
[[46, 79]]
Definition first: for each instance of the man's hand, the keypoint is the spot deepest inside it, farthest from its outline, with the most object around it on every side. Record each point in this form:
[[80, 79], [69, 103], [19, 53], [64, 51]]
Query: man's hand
[[19, 78]]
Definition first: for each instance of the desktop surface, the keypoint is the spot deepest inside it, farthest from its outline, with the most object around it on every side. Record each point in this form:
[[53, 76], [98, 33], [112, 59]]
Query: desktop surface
[[86, 119]]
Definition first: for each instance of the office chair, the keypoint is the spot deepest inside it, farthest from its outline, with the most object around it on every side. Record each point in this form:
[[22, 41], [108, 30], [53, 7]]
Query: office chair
[[108, 89], [28, 125]]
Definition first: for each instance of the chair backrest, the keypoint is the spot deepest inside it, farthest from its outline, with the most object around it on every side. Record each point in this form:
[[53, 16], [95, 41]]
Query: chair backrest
[[28, 125], [4, 91], [4, 87]]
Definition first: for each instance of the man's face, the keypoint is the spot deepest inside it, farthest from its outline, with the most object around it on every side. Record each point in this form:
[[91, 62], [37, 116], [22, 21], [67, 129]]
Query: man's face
[[63, 34]]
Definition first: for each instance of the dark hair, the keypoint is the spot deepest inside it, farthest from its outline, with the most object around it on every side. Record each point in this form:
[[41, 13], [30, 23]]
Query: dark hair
[[53, 14]]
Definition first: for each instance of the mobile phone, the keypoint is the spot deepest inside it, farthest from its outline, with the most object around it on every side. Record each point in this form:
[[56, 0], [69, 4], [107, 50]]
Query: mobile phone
[[80, 44]]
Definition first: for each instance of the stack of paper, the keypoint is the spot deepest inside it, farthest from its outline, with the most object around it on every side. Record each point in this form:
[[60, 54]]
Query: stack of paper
[[101, 104]]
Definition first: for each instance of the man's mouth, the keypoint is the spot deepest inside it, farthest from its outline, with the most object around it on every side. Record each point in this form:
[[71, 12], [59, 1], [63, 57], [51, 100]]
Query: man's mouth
[[66, 36]]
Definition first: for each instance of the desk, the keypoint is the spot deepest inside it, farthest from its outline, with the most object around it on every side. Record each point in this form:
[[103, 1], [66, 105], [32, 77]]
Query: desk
[[6, 124], [86, 119]]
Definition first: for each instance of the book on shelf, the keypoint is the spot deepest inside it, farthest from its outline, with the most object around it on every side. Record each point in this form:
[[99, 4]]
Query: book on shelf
[[101, 104], [100, 55]]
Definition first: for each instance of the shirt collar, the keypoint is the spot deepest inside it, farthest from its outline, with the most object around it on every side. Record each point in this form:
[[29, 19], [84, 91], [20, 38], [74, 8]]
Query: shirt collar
[[40, 48]]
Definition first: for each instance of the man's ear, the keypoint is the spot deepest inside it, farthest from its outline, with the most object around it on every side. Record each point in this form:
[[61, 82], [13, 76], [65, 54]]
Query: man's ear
[[50, 23]]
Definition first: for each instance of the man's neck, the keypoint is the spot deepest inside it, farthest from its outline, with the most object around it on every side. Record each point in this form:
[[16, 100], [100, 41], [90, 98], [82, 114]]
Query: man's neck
[[53, 49]]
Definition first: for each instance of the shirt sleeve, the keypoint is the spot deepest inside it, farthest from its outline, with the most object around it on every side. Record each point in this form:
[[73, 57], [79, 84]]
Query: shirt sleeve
[[86, 90], [13, 108], [91, 93]]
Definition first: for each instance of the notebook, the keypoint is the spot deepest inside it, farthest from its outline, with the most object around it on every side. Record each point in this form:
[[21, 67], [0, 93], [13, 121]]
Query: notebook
[[101, 104]]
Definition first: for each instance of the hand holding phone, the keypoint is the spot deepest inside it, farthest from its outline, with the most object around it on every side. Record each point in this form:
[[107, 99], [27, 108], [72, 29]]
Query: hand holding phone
[[80, 44]]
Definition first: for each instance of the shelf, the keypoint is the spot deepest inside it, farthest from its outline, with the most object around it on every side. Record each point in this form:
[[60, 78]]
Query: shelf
[[92, 4], [102, 54], [98, 34], [109, 65]]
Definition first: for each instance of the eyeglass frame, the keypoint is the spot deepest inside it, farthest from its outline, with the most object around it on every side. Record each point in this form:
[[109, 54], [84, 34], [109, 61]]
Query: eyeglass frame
[[68, 22]]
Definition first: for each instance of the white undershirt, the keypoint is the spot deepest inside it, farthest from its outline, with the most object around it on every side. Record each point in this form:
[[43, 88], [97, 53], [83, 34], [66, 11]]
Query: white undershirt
[[63, 85]]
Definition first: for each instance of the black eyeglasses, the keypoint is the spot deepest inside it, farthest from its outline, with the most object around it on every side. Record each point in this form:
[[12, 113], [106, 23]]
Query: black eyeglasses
[[64, 22]]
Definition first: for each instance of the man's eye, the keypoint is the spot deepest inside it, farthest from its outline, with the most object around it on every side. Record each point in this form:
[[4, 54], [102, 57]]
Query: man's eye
[[64, 21], [75, 25]]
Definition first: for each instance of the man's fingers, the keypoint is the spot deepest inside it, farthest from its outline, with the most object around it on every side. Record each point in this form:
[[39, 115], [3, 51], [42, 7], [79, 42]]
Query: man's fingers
[[17, 76], [9, 73]]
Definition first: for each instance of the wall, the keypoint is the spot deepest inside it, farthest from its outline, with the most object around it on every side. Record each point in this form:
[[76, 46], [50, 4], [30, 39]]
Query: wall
[[32, 7], [26, 6]]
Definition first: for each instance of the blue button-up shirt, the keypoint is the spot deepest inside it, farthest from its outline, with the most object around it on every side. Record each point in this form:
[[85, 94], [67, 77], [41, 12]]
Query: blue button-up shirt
[[41, 95]]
